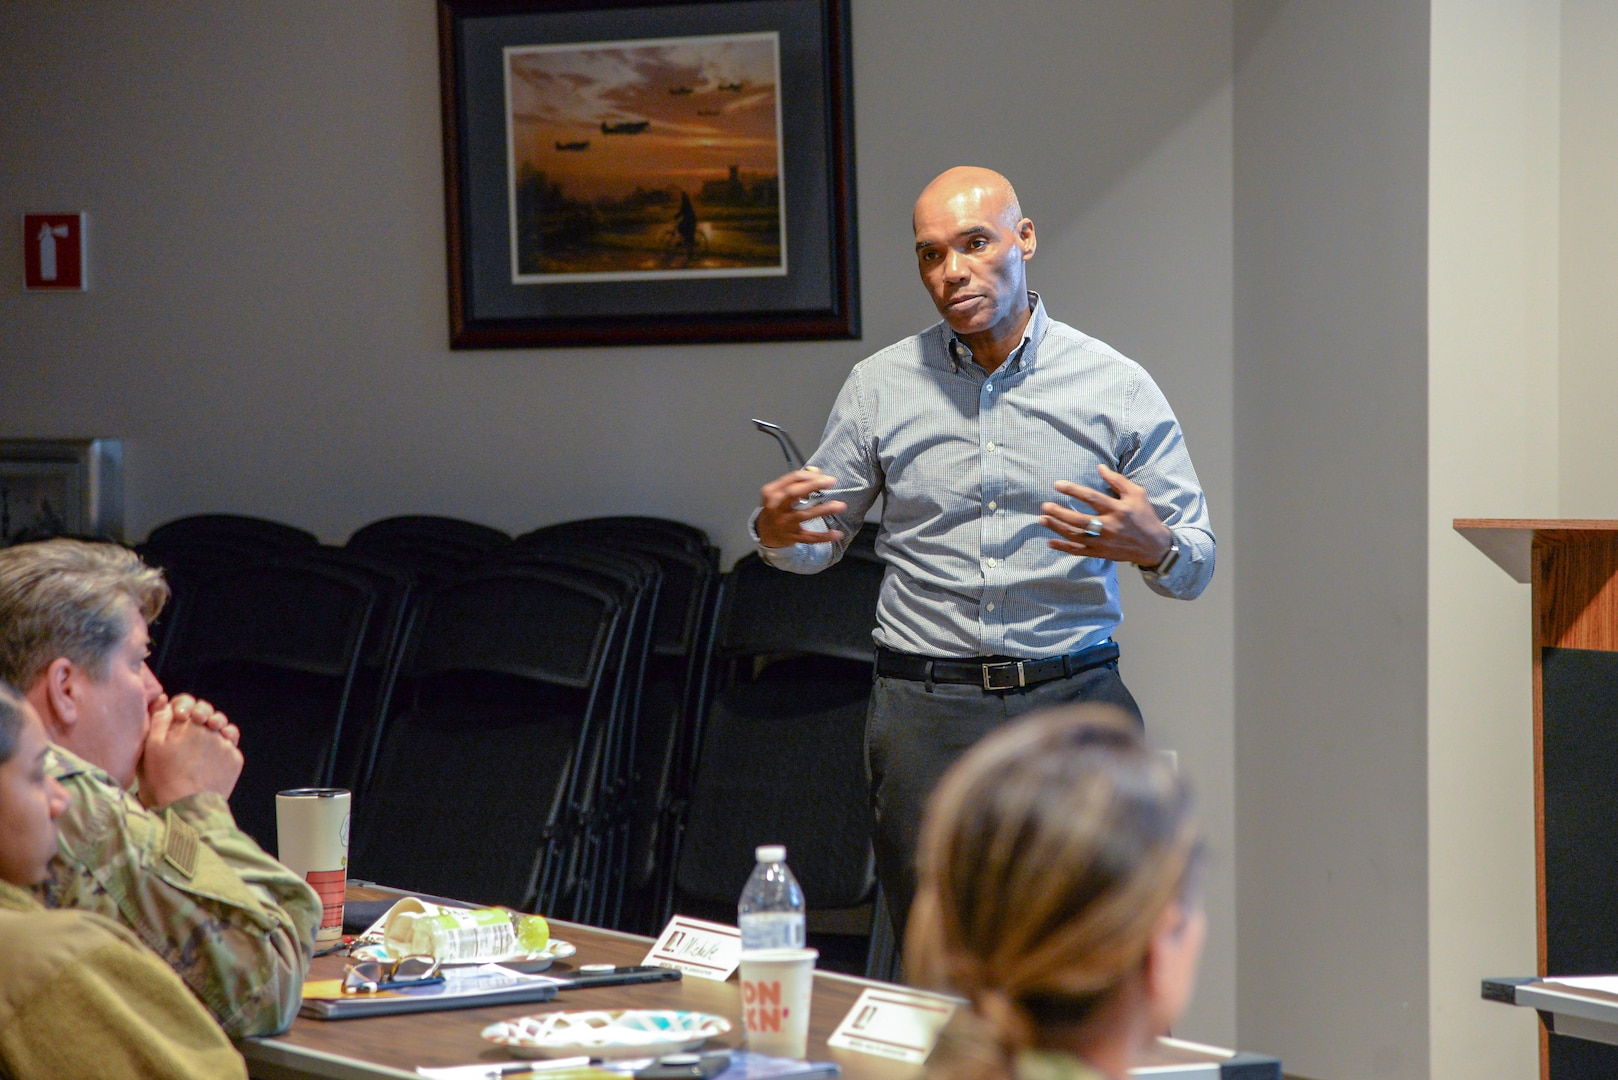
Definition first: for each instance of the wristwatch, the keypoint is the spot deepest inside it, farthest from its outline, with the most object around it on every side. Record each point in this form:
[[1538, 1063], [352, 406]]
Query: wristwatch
[[1154, 572]]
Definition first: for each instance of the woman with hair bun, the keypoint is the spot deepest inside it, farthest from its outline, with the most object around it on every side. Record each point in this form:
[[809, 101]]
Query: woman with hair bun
[[1059, 893]]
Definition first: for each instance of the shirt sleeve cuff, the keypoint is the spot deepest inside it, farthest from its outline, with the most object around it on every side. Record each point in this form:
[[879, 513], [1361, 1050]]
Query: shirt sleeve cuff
[[1180, 576], [796, 558]]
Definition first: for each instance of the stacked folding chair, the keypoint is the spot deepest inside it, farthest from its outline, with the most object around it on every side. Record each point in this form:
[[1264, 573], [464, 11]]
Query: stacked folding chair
[[275, 643], [189, 548], [592, 887], [652, 800], [433, 549], [475, 779]]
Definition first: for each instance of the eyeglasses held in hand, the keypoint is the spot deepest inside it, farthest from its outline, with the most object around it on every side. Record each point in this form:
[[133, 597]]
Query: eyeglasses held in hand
[[369, 976], [788, 448]]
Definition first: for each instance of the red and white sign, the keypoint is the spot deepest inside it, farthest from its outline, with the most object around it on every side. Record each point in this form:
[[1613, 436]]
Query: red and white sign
[[703, 950], [894, 1023], [53, 252]]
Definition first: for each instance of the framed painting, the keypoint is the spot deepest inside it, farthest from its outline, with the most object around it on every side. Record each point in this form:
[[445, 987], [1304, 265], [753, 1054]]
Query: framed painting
[[623, 172], [61, 487]]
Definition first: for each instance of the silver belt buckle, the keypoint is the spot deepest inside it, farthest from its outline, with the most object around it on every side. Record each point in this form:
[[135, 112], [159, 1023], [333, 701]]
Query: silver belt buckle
[[991, 670]]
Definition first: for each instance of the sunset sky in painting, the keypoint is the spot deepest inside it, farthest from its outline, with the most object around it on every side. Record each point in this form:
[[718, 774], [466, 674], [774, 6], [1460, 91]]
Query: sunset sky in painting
[[565, 93]]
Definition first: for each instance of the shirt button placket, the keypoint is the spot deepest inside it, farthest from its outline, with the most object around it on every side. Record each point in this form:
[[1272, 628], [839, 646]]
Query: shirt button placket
[[993, 492]]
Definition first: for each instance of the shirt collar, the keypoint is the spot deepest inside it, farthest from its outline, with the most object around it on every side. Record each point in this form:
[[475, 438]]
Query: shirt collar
[[1022, 357], [62, 763]]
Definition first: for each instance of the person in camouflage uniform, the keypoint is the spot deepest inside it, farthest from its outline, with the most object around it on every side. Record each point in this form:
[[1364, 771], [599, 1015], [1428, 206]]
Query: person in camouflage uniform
[[79, 994], [148, 838]]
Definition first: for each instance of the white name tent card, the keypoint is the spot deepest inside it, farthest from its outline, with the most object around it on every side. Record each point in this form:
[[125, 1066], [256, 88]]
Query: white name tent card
[[703, 950], [899, 1024], [1605, 984]]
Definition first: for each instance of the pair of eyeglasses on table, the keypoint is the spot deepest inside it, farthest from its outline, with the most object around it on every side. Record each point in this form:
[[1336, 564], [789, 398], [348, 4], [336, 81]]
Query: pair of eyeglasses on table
[[370, 976]]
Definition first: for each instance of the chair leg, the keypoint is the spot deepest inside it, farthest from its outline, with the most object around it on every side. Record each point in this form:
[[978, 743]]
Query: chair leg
[[882, 959]]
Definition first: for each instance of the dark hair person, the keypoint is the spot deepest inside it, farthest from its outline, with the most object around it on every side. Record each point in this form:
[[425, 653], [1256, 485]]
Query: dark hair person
[[1059, 893], [79, 994]]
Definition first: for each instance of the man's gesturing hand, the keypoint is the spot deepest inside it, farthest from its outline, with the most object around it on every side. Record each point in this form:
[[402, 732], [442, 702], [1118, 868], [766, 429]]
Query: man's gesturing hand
[[780, 522], [185, 755], [1130, 528]]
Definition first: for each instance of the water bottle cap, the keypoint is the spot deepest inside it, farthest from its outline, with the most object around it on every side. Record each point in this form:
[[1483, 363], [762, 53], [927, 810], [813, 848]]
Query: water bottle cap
[[770, 853]]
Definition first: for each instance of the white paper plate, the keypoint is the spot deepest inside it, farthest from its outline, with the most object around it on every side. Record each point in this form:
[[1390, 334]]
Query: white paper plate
[[617, 1033], [553, 950]]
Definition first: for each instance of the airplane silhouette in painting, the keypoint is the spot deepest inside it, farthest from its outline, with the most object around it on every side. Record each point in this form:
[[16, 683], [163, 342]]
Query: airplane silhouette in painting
[[733, 87], [583, 144], [679, 91], [628, 127]]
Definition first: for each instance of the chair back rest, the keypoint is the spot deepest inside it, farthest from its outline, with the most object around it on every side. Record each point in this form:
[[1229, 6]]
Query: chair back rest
[[832, 613]]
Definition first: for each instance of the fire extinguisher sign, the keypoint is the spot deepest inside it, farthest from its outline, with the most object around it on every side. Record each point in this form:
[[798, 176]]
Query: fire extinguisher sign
[[53, 252]]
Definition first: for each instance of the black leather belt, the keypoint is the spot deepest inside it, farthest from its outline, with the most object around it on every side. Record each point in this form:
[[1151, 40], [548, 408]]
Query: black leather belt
[[993, 674]]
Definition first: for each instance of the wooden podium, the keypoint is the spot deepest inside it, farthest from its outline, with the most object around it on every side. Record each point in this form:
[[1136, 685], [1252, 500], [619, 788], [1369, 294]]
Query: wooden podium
[[1573, 567]]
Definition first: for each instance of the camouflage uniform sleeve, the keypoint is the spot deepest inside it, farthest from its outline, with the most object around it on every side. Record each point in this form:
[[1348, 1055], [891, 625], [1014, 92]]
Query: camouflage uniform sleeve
[[234, 924]]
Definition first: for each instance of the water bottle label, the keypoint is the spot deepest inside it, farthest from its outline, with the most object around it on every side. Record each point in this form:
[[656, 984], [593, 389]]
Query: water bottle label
[[465, 944], [773, 930], [451, 935]]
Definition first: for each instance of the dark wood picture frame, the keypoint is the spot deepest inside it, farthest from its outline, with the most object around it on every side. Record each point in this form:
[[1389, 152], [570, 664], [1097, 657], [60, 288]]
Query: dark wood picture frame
[[817, 295], [61, 487]]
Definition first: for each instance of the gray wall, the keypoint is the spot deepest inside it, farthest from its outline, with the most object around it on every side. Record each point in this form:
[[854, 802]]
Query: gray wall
[[267, 321], [1492, 397], [1589, 259], [1331, 440]]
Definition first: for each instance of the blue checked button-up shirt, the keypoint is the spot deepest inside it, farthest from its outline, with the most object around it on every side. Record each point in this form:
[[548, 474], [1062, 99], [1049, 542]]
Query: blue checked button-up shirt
[[964, 461]]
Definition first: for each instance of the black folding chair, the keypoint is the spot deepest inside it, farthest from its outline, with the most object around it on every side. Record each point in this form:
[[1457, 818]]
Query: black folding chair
[[474, 780], [782, 754], [664, 530], [398, 596], [672, 700], [275, 644], [434, 549], [190, 548], [607, 798], [232, 531]]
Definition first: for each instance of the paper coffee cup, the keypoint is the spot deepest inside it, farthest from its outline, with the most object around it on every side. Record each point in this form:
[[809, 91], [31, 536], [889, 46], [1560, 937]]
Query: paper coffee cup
[[776, 987], [311, 826]]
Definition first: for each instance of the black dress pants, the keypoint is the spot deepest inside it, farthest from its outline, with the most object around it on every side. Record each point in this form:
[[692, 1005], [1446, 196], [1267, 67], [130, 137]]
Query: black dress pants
[[913, 733]]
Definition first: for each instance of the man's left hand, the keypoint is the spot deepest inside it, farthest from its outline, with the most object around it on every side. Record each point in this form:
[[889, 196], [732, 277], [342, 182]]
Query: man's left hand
[[1130, 529]]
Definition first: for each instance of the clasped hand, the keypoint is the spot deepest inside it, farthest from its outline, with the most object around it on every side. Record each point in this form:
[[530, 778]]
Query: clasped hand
[[191, 747], [1130, 528]]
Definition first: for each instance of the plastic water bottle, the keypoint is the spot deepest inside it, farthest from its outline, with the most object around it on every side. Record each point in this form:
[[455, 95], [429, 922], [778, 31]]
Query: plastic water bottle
[[770, 913], [457, 935]]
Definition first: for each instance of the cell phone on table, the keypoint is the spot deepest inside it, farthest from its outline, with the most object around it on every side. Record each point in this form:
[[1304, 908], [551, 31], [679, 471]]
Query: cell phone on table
[[686, 1067], [608, 975]]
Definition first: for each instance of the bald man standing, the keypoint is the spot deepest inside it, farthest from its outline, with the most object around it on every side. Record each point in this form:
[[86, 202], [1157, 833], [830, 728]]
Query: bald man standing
[[1020, 461]]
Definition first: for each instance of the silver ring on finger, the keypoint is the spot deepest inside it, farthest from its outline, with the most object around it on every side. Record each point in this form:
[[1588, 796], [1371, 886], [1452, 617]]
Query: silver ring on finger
[[1094, 528]]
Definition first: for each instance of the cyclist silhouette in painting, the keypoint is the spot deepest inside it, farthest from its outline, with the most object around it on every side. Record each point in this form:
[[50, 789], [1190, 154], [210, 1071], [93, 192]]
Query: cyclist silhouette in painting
[[685, 223]]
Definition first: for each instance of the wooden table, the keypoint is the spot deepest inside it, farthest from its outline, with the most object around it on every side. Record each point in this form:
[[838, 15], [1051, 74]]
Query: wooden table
[[392, 1046]]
